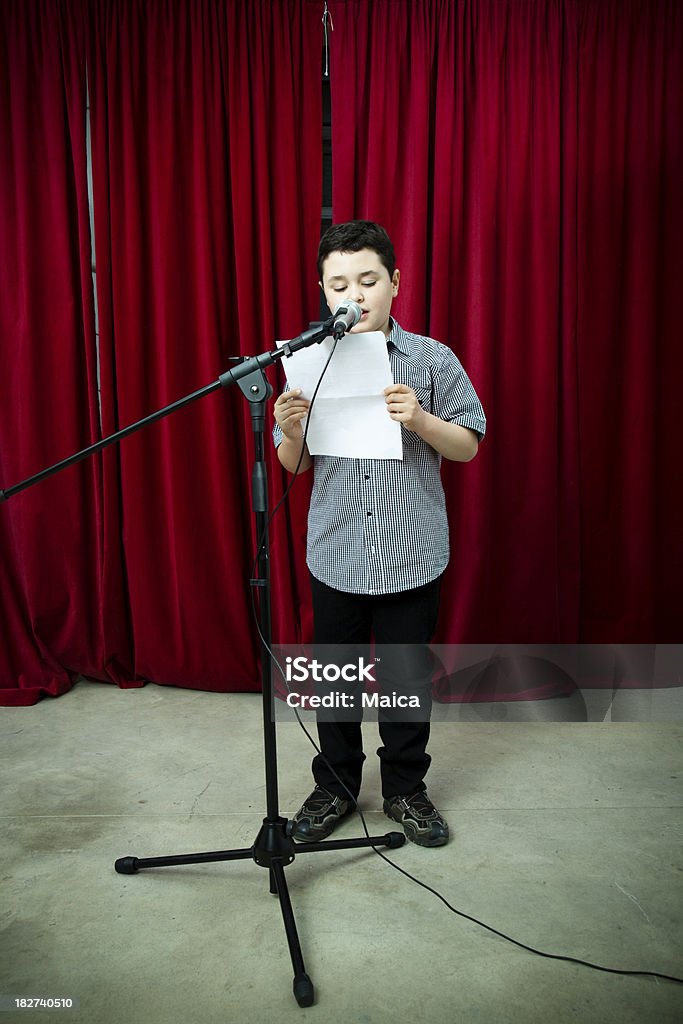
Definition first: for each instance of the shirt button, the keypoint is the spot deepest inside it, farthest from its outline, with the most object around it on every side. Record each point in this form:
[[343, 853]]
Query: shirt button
[[369, 513], [367, 477]]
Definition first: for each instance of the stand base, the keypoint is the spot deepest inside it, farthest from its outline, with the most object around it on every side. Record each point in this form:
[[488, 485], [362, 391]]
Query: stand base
[[273, 849], [303, 990]]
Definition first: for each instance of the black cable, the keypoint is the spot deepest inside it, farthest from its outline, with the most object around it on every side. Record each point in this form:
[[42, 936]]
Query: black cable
[[460, 913], [352, 799]]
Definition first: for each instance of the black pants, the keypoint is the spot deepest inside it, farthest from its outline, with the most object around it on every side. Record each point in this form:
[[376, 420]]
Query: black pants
[[406, 618]]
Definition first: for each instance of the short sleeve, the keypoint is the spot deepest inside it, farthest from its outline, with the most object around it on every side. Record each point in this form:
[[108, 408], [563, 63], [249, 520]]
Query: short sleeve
[[454, 397]]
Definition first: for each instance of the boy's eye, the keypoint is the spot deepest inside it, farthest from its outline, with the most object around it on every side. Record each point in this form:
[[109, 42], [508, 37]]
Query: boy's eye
[[343, 287]]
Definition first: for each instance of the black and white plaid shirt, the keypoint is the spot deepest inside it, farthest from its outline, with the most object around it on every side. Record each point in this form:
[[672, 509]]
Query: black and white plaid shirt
[[379, 526]]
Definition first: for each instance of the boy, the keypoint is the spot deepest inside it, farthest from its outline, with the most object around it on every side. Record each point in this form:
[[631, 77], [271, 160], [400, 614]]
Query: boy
[[377, 531]]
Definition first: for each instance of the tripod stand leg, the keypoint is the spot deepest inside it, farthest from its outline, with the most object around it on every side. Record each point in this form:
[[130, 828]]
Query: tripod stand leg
[[302, 985]]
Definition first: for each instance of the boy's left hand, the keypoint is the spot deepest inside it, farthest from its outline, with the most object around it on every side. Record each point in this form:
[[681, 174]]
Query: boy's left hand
[[403, 406]]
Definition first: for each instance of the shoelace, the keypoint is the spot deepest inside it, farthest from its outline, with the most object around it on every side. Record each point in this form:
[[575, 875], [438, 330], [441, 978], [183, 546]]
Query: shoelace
[[318, 799], [421, 806]]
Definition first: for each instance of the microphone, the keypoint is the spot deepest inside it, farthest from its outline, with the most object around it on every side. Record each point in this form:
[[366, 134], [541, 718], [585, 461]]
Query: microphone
[[345, 316]]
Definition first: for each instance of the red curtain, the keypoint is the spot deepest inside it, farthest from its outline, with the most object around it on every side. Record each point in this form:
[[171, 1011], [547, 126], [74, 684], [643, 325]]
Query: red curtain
[[526, 158], [206, 150], [206, 126], [50, 537]]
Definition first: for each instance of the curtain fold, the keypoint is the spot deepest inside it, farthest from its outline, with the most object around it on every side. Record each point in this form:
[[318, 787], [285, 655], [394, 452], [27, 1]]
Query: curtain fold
[[50, 536], [206, 122], [630, 357], [524, 158]]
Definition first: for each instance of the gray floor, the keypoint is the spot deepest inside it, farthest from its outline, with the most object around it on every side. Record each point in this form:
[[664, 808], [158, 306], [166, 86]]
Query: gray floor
[[567, 836]]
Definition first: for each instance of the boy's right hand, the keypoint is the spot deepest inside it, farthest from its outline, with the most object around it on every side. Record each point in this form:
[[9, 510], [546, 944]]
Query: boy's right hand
[[290, 408]]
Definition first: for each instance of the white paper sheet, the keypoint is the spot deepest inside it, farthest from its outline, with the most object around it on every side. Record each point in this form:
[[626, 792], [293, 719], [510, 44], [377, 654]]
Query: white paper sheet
[[349, 417]]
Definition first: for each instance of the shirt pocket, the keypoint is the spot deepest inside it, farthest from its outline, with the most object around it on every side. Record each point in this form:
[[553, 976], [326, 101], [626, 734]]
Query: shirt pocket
[[420, 381]]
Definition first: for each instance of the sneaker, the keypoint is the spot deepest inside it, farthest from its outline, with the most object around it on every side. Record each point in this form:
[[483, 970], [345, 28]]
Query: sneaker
[[318, 817], [421, 821]]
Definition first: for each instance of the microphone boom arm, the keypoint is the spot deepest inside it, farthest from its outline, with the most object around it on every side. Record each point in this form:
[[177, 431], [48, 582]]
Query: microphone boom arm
[[252, 364]]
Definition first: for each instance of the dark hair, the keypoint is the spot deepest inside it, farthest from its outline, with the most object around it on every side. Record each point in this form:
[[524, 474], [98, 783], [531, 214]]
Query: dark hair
[[353, 236]]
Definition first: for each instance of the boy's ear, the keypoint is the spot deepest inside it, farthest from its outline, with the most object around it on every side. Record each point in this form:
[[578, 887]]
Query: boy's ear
[[395, 282]]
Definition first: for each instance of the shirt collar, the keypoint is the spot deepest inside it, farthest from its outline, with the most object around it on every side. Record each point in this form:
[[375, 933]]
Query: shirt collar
[[398, 337]]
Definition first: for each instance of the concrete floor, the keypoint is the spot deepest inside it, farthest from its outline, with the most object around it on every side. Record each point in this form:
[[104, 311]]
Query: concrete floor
[[567, 836]]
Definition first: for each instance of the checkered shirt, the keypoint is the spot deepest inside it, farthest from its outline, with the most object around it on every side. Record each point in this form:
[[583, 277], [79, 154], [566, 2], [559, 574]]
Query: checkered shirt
[[379, 526]]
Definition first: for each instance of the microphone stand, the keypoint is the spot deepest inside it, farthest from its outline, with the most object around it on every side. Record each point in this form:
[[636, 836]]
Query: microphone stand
[[273, 847]]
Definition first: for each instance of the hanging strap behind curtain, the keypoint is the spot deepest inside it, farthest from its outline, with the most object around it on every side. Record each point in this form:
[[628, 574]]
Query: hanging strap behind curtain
[[50, 536], [206, 123]]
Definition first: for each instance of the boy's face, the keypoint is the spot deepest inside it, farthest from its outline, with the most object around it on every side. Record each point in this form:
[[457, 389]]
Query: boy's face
[[361, 276]]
